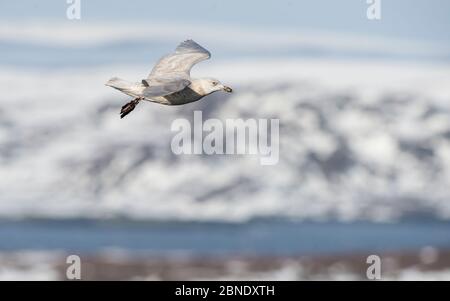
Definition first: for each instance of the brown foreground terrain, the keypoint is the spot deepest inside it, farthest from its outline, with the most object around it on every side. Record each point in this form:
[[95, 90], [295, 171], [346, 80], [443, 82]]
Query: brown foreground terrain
[[426, 264]]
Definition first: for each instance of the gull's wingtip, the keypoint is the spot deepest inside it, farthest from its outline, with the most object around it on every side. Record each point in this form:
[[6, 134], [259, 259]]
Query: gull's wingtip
[[111, 81], [190, 45]]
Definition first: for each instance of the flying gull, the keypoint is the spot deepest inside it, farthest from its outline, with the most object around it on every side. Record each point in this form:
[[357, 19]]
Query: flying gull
[[170, 83]]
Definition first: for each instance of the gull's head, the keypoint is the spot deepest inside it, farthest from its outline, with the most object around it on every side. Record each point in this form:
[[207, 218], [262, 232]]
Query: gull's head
[[210, 85]]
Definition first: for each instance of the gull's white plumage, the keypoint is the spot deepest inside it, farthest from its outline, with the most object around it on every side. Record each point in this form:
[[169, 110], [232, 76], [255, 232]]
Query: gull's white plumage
[[179, 63], [169, 82]]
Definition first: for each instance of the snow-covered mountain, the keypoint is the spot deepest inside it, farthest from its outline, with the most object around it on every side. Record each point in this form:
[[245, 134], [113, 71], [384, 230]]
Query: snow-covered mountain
[[360, 138]]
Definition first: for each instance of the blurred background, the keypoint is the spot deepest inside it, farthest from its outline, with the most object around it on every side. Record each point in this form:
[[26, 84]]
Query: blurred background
[[364, 110]]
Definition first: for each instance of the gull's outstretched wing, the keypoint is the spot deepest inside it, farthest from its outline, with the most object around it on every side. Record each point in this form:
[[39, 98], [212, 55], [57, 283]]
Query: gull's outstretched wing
[[162, 86], [180, 62]]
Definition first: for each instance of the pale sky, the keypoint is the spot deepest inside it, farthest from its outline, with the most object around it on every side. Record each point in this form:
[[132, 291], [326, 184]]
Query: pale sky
[[407, 19]]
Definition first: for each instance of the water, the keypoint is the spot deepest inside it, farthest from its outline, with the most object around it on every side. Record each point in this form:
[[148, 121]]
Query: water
[[253, 238]]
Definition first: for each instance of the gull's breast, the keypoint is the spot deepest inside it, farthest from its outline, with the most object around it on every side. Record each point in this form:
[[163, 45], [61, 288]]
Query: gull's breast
[[184, 96]]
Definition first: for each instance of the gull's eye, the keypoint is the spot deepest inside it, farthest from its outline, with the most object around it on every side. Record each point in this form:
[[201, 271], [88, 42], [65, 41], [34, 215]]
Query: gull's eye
[[214, 83]]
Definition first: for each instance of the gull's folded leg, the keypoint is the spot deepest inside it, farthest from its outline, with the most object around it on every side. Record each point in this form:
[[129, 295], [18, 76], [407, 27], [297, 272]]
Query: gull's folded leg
[[126, 109]]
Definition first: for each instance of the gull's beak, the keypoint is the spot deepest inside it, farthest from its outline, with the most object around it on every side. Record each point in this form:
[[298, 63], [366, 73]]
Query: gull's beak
[[227, 89]]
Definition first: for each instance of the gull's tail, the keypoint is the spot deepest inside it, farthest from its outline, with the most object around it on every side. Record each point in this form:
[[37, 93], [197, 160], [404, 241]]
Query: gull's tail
[[129, 88]]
